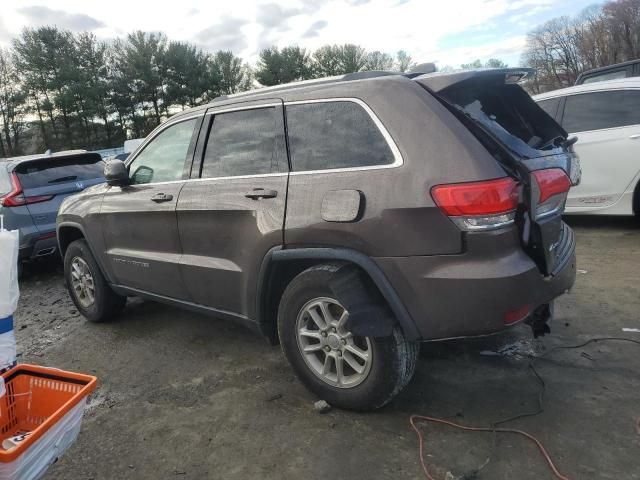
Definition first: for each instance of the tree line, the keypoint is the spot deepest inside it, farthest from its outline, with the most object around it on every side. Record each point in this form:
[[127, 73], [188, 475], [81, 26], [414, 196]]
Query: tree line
[[62, 90], [562, 48], [276, 66]]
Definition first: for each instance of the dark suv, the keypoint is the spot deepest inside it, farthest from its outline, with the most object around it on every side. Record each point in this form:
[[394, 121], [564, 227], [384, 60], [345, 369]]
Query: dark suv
[[349, 218]]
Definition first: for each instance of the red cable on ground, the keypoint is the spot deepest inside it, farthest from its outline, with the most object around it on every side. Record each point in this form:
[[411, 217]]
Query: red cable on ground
[[478, 429]]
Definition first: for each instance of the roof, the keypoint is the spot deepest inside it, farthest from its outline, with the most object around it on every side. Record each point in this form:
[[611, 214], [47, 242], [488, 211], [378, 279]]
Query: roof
[[13, 161], [424, 73], [618, 84], [420, 69], [349, 77], [303, 87]]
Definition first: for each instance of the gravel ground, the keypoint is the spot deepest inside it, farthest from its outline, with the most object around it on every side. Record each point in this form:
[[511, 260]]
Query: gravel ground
[[186, 396]]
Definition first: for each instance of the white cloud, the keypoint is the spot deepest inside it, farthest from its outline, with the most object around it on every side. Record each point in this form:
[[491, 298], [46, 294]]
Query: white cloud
[[508, 50], [41, 15], [416, 26]]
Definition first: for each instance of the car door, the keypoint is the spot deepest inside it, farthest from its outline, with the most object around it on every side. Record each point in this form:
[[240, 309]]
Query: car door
[[232, 212], [139, 220], [607, 124]]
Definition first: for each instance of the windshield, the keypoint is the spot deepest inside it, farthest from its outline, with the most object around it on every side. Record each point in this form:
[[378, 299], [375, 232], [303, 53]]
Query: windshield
[[508, 114]]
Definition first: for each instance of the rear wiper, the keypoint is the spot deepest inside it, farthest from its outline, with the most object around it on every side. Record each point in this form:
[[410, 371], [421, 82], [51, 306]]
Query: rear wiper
[[559, 142], [569, 141], [555, 141], [68, 178]]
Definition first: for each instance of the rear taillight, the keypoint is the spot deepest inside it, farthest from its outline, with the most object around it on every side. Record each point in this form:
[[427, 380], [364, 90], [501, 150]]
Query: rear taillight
[[478, 205], [16, 198], [553, 184], [514, 316]]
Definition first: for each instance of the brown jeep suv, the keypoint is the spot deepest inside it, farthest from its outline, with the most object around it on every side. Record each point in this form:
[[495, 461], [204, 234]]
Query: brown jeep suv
[[348, 218]]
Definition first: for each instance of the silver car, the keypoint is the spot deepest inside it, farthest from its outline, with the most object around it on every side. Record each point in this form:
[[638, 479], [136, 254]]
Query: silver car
[[32, 188]]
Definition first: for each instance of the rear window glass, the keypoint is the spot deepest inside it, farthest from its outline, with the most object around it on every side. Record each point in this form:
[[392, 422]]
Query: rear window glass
[[52, 171], [595, 111], [508, 114], [327, 135]]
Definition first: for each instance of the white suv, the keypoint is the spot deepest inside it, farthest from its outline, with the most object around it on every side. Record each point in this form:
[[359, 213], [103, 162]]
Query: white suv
[[605, 116]]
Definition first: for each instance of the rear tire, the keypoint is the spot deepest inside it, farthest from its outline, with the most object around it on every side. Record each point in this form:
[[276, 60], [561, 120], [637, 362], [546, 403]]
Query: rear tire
[[88, 288], [390, 363]]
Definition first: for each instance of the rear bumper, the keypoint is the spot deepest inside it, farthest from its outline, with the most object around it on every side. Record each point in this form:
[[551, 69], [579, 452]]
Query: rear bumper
[[471, 294], [39, 246]]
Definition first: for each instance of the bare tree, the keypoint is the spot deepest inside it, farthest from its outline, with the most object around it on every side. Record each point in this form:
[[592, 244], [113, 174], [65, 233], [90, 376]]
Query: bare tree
[[624, 21], [564, 47]]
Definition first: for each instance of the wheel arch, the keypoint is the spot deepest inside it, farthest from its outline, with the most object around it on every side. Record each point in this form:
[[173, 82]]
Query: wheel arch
[[68, 232], [280, 266], [635, 205]]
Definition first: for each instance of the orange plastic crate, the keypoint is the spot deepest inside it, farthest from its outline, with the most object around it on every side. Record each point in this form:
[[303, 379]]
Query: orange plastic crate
[[36, 398]]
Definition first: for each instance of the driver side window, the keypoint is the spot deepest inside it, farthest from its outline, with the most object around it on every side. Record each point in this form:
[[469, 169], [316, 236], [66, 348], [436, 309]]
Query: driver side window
[[162, 160]]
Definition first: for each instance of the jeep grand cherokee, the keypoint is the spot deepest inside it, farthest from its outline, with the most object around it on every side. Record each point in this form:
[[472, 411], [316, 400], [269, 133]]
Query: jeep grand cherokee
[[348, 218]]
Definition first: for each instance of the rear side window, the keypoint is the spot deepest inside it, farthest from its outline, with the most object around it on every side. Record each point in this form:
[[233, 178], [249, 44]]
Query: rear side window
[[52, 171], [595, 111], [327, 135], [550, 106], [245, 142]]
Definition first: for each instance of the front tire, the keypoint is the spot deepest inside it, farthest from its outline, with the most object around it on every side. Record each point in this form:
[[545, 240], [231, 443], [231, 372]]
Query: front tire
[[356, 373], [88, 288]]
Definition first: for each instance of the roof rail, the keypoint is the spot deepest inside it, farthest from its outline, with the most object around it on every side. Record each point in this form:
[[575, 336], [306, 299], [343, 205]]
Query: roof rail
[[420, 69], [316, 81]]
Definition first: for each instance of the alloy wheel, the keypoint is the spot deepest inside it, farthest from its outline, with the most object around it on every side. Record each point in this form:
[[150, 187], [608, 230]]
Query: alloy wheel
[[332, 352], [82, 282]]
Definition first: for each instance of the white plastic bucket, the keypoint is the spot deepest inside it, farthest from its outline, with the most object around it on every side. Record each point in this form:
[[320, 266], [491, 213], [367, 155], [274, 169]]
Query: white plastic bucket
[[35, 461]]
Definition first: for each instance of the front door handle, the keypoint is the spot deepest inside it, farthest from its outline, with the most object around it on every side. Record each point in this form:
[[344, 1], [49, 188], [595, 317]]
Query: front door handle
[[257, 193], [162, 197], [635, 137]]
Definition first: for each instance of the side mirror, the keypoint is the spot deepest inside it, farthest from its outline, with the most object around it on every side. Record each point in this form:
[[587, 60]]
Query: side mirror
[[116, 174]]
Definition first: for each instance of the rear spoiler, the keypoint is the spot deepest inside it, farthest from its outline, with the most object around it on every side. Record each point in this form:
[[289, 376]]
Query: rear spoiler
[[95, 156], [438, 81]]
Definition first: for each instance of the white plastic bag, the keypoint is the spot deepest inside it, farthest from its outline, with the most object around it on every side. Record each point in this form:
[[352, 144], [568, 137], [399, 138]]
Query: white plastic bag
[[7, 349], [9, 291]]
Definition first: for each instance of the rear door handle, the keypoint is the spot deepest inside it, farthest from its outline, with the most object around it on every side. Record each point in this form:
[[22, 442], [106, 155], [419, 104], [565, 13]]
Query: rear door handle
[[162, 197], [635, 137], [257, 193]]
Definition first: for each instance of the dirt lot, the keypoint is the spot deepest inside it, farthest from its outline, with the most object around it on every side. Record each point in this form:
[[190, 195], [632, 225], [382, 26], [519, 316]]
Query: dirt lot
[[186, 396]]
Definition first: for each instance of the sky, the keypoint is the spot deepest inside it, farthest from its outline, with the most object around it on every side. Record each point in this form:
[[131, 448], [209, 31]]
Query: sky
[[448, 32]]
